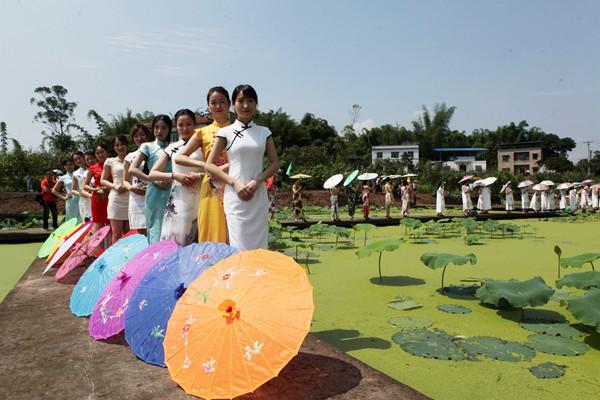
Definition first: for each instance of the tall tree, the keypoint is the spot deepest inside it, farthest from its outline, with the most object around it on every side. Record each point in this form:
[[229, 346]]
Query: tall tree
[[57, 115], [431, 129], [119, 124], [3, 138]]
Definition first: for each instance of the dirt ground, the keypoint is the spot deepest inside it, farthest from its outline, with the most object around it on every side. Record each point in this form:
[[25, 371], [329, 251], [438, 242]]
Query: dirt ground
[[14, 203], [48, 354]]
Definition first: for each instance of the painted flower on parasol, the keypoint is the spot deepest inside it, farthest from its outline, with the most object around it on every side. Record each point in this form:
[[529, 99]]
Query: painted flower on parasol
[[68, 245], [84, 251], [243, 333], [155, 296], [108, 315], [98, 275], [56, 237]]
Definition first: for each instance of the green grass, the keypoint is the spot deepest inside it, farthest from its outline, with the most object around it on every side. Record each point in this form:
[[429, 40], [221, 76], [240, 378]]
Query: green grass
[[16, 259], [351, 312]]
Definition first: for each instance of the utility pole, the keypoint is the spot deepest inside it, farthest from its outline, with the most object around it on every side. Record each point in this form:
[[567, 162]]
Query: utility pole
[[589, 155]]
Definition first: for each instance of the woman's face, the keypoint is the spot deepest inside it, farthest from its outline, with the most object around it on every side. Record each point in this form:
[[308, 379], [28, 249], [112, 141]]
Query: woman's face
[[100, 154], [218, 105], [161, 130], [245, 108], [140, 137], [90, 160], [120, 148], [69, 166], [78, 160], [185, 127]]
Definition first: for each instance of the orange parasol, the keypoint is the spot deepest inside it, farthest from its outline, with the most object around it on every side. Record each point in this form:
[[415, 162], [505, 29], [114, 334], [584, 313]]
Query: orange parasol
[[238, 324]]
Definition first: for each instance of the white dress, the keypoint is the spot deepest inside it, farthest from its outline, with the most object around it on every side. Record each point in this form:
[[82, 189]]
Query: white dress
[[595, 199], [137, 202], [85, 204], [247, 221], [484, 202], [534, 202], [563, 200], [510, 200], [180, 222], [573, 199], [544, 200], [118, 203], [584, 201], [524, 199], [72, 204], [550, 201], [440, 204], [467, 203]]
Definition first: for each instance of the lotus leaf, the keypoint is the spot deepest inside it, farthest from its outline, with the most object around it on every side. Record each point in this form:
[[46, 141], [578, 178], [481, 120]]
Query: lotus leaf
[[562, 295], [557, 345], [454, 309], [551, 329], [587, 308], [514, 293], [404, 298], [441, 260], [471, 239], [379, 247], [429, 344], [548, 370], [462, 290], [578, 260], [497, 349], [404, 305], [580, 280], [410, 322], [364, 228]]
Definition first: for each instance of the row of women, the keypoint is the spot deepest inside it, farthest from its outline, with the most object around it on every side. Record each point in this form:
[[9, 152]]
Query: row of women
[[208, 186]]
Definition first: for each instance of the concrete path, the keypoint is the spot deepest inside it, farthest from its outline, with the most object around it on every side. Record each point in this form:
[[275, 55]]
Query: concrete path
[[47, 354]]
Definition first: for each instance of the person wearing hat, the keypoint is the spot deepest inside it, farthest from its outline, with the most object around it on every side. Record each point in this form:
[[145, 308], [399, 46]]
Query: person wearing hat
[[440, 203], [388, 189], [365, 200]]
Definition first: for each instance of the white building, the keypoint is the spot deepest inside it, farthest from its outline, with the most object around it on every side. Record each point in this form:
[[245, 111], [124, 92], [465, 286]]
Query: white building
[[395, 152], [461, 158]]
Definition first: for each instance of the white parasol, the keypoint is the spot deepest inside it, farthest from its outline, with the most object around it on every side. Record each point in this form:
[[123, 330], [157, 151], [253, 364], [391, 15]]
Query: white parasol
[[489, 181], [367, 176], [539, 187], [333, 181]]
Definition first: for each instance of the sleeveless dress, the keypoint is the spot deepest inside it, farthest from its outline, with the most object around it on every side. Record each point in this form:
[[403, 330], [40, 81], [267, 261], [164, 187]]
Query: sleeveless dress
[[180, 222], [156, 199], [84, 204], [72, 204], [118, 203], [212, 226], [247, 221], [99, 200], [137, 202]]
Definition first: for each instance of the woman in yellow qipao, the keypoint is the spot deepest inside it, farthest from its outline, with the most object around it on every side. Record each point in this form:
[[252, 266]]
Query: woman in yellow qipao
[[212, 226]]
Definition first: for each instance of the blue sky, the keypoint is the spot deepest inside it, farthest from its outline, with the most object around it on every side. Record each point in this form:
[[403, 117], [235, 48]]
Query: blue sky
[[497, 61]]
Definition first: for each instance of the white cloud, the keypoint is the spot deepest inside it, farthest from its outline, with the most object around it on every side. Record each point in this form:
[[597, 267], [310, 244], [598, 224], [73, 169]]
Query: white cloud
[[365, 124]]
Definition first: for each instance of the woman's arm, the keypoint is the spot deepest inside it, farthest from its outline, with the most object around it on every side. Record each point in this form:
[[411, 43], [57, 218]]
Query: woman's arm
[[56, 190], [183, 158], [134, 168], [104, 181], [88, 180], [127, 177], [251, 186], [219, 173]]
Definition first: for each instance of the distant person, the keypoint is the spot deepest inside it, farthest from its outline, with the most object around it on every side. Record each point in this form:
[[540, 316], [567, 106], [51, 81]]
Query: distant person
[[29, 182], [573, 199], [467, 203], [48, 199], [297, 201], [365, 200], [388, 189], [544, 200], [333, 203], [136, 187], [484, 202], [535, 203], [509, 198], [405, 196], [562, 205], [65, 182], [440, 202], [79, 176], [99, 193], [113, 178], [413, 193], [352, 197], [524, 199], [550, 201]]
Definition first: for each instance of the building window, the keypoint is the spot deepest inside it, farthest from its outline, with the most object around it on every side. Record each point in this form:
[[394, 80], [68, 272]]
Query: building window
[[522, 156], [506, 158], [535, 169], [506, 169], [534, 156], [521, 169], [379, 154], [395, 154], [478, 168], [410, 154]]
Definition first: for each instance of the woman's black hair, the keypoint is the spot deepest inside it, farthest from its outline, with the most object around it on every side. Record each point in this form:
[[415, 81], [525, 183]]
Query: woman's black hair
[[120, 138], [75, 153], [102, 146], [164, 118], [89, 153], [67, 160], [246, 90], [217, 89], [140, 127], [185, 111]]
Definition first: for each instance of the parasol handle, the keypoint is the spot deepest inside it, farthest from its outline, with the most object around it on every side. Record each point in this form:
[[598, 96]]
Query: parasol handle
[[179, 291]]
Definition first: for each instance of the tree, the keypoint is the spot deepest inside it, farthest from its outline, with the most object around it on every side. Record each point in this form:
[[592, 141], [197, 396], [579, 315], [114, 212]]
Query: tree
[[57, 115], [119, 124], [431, 130], [3, 138]]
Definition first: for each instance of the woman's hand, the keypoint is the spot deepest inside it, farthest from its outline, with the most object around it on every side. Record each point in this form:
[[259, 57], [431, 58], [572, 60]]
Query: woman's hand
[[248, 190], [240, 189], [138, 190], [120, 188], [163, 185]]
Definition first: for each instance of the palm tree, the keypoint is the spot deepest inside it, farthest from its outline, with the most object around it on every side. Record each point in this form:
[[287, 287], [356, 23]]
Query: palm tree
[[430, 131]]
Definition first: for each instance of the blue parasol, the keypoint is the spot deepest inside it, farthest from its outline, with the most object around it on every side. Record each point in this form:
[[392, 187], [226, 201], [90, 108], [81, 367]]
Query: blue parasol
[[155, 296], [351, 177], [99, 274]]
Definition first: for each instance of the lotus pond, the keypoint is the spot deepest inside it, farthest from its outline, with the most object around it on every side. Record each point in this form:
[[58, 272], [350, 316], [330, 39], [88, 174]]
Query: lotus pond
[[452, 345]]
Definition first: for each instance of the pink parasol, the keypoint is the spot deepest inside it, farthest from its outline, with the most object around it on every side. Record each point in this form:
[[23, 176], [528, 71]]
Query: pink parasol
[[68, 245], [587, 182], [525, 183], [108, 315], [565, 185], [466, 178], [86, 250]]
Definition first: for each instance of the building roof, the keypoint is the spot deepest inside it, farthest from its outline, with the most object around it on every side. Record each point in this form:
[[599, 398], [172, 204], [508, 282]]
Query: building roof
[[455, 149], [395, 146], [520, 145]]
